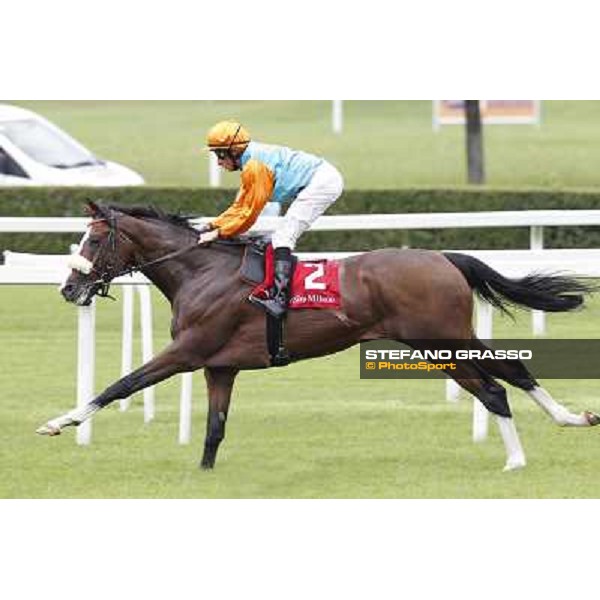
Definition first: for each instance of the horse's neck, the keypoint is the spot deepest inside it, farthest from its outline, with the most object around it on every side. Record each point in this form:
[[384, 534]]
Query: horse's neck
[[154, 241], [206, 264]]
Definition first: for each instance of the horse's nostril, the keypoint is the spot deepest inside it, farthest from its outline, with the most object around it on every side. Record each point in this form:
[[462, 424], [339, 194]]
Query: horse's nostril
[[67, 290]]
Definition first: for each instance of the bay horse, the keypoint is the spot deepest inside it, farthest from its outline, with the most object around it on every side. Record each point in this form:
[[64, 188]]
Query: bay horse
[[386, 294]]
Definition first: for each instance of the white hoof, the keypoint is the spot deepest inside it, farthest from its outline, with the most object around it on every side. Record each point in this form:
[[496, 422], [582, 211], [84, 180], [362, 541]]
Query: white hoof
[[48, 429], [513, 465]]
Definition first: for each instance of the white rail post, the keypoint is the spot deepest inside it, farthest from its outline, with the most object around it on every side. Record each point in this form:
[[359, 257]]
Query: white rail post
[[214, 172], [337, 116], [485, 316], [127, 338], [146, 325], [538, 317], [452, 390], [436, 115], [86, 355], [185, 409]]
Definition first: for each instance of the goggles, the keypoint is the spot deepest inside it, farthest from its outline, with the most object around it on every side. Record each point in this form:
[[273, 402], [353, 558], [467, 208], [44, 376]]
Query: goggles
[[222, 153]]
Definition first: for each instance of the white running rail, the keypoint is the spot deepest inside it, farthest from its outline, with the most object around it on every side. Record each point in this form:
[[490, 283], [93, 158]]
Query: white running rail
[[511, 263]]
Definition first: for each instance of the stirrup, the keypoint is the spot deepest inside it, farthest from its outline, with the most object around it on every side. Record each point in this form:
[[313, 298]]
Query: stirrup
[[282, 358], [270, 305]]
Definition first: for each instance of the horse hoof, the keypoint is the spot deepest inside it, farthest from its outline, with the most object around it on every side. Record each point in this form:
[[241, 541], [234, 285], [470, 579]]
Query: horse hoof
[[48, 429], [592, 418], [514, 465]]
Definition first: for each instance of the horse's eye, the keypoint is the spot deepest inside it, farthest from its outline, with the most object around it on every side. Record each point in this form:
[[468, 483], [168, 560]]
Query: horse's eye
[[94, 243]]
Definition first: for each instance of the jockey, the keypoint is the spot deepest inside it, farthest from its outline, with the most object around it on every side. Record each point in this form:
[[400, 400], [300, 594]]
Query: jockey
[[276, 174]]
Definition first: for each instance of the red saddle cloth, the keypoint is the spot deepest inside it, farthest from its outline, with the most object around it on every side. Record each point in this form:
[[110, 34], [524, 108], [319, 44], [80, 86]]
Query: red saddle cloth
[[315, 284]]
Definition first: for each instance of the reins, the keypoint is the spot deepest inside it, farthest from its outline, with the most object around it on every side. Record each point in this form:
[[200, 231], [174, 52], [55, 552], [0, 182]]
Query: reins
[[156, 261], [174, 254], [107, 275]]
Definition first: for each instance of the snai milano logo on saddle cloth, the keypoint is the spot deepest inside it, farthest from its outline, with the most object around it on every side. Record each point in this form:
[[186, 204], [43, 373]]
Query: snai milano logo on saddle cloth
[[316, 283]]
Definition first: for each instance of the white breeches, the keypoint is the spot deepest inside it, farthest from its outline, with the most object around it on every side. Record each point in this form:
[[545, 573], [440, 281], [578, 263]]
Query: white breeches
[[323, 190]]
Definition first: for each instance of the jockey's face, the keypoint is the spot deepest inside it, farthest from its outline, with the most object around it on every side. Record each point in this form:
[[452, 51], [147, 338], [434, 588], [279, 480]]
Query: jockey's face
[[228, 163], [228, 160]]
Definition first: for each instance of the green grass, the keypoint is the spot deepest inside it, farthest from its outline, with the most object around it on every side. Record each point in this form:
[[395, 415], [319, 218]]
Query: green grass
[[385, 144], [311, 430]]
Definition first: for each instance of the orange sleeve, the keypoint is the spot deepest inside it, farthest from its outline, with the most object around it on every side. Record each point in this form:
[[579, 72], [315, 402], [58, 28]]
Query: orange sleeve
[[257, 183]]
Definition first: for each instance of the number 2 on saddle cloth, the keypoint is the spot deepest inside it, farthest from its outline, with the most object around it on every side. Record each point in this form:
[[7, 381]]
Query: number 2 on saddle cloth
[[315, 283]]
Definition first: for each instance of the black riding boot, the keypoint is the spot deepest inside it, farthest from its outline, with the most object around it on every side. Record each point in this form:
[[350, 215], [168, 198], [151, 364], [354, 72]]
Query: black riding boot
[[279, 294]]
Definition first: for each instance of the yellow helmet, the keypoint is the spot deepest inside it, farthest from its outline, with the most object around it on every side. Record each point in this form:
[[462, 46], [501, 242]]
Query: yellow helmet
[[227, 135]]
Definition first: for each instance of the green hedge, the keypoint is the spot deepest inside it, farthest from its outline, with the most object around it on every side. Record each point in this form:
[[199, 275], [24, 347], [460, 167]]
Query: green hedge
[[193, 201]]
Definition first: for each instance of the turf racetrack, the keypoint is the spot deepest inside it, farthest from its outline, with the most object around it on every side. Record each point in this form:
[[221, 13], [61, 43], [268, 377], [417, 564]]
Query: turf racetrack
[[311, 430]]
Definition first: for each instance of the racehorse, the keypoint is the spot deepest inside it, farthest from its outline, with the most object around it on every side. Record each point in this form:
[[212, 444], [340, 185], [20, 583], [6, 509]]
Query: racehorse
[[386, 294]]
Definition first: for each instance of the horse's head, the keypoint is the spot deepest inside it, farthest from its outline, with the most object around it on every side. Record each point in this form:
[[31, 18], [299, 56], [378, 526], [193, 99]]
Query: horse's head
[[103, 253]]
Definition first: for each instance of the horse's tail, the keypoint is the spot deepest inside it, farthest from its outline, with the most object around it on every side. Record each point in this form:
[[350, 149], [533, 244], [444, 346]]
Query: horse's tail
[[551, 292]]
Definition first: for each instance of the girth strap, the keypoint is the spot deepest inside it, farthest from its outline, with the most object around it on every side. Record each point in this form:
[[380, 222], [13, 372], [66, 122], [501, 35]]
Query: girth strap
[[276, 341]]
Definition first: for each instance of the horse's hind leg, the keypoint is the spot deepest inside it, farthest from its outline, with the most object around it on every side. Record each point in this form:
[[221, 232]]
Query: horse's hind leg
[[559, 413], [516, 373], [219, 382], [493, 396]]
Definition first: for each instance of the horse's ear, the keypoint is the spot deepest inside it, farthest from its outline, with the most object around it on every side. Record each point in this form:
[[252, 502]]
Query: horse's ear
[[91, 209]]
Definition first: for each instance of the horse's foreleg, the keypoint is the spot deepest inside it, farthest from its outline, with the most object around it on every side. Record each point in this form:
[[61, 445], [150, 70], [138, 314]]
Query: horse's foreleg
[[169, 362], [219, 382]]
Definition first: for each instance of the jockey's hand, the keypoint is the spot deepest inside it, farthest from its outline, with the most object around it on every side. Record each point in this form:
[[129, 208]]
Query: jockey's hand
[[208, 236]]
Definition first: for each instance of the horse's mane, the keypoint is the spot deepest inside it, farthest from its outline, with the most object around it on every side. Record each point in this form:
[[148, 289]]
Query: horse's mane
[[152, 212]]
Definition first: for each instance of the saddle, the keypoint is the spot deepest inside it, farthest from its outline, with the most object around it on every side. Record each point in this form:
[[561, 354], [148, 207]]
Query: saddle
[[315, 284], [253, 269]]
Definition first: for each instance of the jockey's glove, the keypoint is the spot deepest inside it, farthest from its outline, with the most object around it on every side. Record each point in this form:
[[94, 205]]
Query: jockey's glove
[[208, 236]]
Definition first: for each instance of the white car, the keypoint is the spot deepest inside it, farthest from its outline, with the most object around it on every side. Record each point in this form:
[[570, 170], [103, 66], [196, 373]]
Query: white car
[[33, 151]]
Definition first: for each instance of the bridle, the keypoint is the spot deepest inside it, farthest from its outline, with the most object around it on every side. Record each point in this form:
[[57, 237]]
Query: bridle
[[111, 269], [108, 247]]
